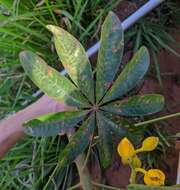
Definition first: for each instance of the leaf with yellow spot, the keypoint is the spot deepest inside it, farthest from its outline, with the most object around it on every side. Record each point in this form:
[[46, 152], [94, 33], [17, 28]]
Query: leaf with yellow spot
[[137, 105], [54, 123], [109, 55], [105, 146], [74, 60], [50, 81], [130, 76], [78, 142]]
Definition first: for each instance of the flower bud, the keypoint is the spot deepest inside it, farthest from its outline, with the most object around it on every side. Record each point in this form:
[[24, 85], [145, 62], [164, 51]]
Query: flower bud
[[126, 150], [149, 144]]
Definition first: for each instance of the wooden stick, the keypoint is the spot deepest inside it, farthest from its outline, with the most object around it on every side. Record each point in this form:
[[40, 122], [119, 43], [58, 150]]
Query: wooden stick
[[178, 171], [178, 168]]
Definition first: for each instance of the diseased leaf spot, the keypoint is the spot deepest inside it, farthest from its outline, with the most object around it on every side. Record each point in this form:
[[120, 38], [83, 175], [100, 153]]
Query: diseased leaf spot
[[49, 71], [114, 50], [108, 84], [114, 28]]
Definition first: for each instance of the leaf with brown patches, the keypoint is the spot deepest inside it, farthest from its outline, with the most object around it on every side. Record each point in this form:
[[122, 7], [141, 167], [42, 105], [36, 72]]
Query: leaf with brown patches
[[78, 142], [54, 123], [110, 54], [130, 76], [105, 146], [74, 60], [50, 81], [137, 105]]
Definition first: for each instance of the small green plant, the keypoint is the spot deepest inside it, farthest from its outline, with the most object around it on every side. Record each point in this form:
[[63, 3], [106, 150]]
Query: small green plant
[[90, 95]]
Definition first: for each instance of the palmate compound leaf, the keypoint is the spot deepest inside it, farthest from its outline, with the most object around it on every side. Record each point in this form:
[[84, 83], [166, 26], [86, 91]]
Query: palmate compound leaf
[[110, 54], [78, 142], [50, 81], [130, 76], [106, 129], [74, 60], [54, 123], [140, 105]]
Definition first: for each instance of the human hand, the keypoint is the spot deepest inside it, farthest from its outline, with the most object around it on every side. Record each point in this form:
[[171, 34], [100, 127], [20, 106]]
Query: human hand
[[11, 127]]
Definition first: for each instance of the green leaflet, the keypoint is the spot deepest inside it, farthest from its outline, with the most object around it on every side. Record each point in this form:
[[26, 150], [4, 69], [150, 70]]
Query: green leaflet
[[78, 142], [52, 124], [137, 105], [130, 76], [110, 54], [146, 187], [50, 81], [74, 60], [114, 128], [105, 147]]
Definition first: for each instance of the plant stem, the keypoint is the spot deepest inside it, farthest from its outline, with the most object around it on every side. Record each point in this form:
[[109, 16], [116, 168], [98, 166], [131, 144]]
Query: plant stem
[[74, 187], [105, 186], [51, 177], [157, 119], [88, 154], [85, 179], [133, 174], [133, 177]]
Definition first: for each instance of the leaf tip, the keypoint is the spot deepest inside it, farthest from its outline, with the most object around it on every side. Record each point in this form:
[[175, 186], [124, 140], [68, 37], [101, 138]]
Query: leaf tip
[[22, 54], [53, 29], [114, 18], [145, 52], [24, 57], [144, 48], [111, 13]]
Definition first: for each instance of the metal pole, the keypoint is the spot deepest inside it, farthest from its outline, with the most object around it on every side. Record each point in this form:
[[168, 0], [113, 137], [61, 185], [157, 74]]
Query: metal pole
[[146, 8]]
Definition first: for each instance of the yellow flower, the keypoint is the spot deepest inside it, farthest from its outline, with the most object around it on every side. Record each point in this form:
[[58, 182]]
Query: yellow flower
[[126, 150], [149, 144], [154, 177], [136, 162], [128, 153]]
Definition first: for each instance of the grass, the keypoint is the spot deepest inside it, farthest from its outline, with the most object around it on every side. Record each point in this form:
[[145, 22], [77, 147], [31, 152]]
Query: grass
[[29, 164], [153, 32]]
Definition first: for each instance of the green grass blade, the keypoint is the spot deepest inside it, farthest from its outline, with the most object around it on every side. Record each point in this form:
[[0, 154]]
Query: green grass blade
[[165, 46]]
